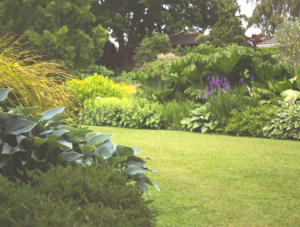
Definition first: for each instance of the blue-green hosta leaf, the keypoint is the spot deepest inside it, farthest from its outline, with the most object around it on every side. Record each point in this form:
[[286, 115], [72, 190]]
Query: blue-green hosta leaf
[[290, 95], [57, 133], [135, 161], [99, 139], [17, 126], [85, 149], [28, 110], [35, 118], [204, 129], [75, 139], [69, 156], [91, 135], [105, 149], [38, 141], [60, 118], [3, 160], [138, 169], [4, 92], [209, 124], [185, 121], [146, 180], [72, 130], [114, 160], [123, 151], [44, 133], [82, 132], [48, 114], [63, 141], [40, 153], [136, 150], [142, 186], [8, 149]]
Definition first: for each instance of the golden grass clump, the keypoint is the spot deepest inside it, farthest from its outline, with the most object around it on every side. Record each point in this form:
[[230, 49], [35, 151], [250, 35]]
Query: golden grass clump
[[35, 82]]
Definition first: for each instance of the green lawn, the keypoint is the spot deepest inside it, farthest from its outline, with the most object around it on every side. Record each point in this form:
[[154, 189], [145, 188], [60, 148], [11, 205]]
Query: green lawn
[[214, 180]]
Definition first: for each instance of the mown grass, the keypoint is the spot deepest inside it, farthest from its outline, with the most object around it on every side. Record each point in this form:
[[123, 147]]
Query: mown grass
[[215, 180]]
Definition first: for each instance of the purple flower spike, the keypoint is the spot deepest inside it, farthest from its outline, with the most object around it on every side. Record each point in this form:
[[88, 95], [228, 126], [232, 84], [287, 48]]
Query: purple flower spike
[[225, 88], [218, 77], [220, 82], [229, 86], [252, 78], [220, 89], [241, 80], [211, 83], [225, 79], [203, 98], [206, 88], [208, 77], [216, 82], [214, 98], [251, 90], [207, 92], [212, 92]]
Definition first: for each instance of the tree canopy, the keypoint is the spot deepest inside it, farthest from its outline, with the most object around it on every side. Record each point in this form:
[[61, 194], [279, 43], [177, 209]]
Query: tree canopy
[[228, 30], [267, 14], [62, 30], [131, 20]]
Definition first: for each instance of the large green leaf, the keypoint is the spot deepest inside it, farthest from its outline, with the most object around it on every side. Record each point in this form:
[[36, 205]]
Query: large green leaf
[[57, 133], [17, 126], [48, 114], [99, 139], [135, 169], [40, 153], [75, 139], [72, 130], [3, 160], [82, 132], [28, 110], [134, 161], [3, 93], [8, 149], [85, 149], [69, 156], [62, 141], [283, 85], [114, 160], [105, 149], [123, 151]]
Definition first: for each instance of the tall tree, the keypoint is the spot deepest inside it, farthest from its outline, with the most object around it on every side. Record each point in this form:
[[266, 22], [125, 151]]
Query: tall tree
[[131, 20], [62, 30], [229, 29], [267, 14]]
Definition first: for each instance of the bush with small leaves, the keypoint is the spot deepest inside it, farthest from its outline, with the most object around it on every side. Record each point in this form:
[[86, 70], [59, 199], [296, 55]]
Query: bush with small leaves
[[250, 121], [87, 196]]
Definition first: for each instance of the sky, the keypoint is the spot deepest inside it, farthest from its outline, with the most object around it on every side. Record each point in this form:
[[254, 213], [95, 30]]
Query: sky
[[247, 9]]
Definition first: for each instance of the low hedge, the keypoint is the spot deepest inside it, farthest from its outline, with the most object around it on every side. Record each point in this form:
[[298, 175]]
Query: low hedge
[[126, 113], [86, 196]]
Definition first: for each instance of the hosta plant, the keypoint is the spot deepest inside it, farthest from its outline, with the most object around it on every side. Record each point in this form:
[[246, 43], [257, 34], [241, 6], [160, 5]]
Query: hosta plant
[[38, 141], [286, 123], [203, 119]]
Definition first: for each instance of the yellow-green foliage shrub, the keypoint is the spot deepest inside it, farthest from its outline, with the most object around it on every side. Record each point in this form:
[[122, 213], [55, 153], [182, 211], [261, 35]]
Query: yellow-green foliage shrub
[[95, 86], [122, 112]]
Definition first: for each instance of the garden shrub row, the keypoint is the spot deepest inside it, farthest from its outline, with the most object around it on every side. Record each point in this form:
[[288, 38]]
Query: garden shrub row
[[87, 196], [122, 112]]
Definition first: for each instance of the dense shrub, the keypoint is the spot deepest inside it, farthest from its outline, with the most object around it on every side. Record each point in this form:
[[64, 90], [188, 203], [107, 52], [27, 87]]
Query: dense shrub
[[94, 195], [122, 112], [38, 141], [250, 121], [286, 123], [95, 86], [151, 46]]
